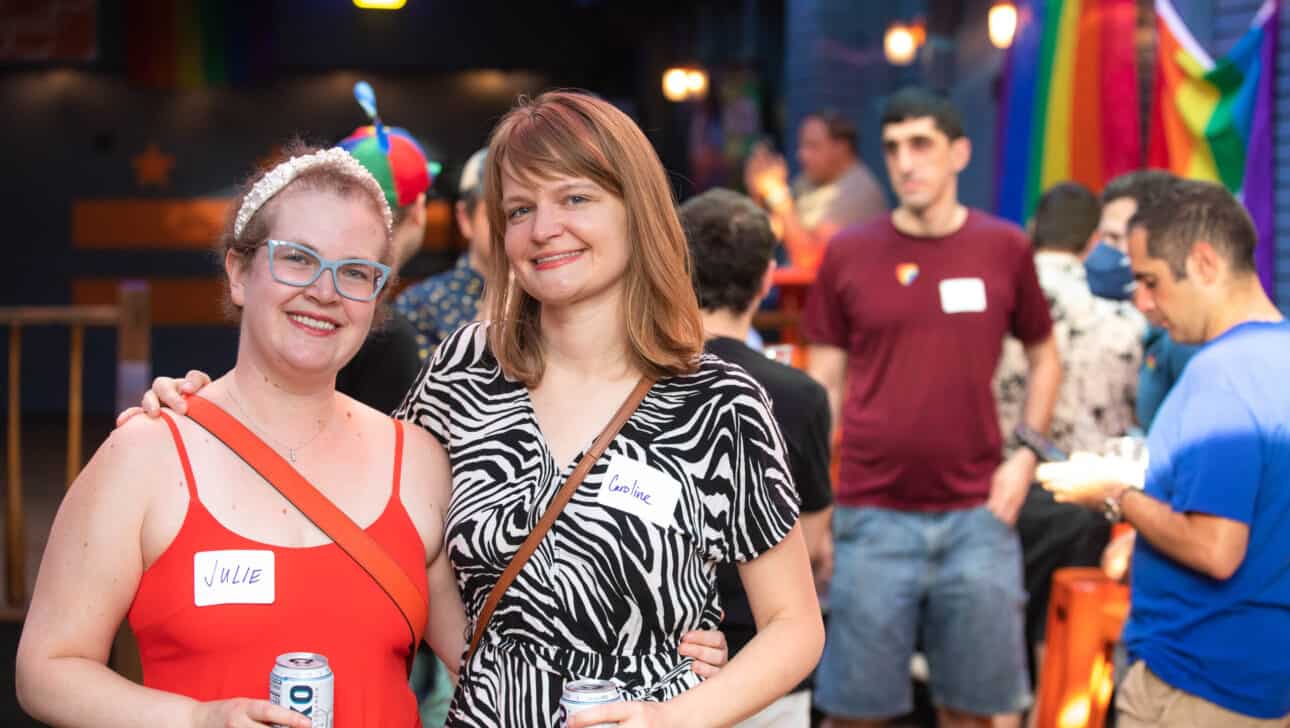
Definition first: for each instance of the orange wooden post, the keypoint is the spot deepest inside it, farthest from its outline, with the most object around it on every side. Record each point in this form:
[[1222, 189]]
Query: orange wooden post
[[133, 343], [75, 362], [15, 547], [134, 374], [1086, 612]]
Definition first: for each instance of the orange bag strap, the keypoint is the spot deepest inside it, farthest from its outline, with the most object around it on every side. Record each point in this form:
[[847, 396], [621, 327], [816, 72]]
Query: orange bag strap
[[562, 498], [331, 520]]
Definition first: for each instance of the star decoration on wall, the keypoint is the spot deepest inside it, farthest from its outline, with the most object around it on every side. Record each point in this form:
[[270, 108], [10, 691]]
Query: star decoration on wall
[[152, 167]]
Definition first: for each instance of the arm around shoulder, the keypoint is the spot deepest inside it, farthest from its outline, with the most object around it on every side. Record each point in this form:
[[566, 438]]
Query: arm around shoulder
[[427, 490]]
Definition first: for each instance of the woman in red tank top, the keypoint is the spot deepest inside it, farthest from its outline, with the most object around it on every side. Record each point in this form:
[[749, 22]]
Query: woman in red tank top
[[218, 573]]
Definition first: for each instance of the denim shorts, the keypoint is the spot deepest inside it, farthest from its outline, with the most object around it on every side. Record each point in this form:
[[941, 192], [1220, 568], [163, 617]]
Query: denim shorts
[[950, 582]]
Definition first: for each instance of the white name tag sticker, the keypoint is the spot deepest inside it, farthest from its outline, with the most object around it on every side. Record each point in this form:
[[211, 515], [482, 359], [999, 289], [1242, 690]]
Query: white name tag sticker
[[233, 577], [638, 489], [962, 295]]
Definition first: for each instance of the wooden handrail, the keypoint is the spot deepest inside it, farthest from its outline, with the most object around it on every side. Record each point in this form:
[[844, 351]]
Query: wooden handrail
[[132, 321], [60, 315]]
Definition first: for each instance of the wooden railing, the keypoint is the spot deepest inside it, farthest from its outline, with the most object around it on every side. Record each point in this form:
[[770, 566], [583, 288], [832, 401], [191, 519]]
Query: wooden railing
[[132, 319]]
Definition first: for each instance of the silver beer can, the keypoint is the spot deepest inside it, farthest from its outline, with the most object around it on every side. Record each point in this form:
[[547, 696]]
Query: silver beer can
[[303, 682], [581, 695]]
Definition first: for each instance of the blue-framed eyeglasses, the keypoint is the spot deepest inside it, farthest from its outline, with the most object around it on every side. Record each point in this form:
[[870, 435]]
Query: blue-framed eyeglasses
[[354, 278]]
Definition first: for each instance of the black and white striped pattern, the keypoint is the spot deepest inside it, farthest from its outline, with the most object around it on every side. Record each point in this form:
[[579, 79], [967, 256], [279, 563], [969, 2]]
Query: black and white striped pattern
[[607, 594]]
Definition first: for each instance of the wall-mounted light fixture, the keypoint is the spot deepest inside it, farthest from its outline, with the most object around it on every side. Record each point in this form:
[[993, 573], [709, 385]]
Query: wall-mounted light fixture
[[1003, 24], [380, 4], [696, 79], [900, 45], [685, 84]]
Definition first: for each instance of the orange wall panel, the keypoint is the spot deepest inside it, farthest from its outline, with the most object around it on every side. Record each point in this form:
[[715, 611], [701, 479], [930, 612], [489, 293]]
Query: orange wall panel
[[121, 224], [175, 301]]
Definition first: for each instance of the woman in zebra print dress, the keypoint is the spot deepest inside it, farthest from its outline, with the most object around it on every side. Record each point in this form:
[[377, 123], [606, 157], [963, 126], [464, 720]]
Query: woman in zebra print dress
[[585, 233], [599, 295]]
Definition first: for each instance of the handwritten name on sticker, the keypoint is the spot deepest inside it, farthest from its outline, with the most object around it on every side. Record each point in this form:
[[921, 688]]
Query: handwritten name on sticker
[[632, 489], [233, 577], [641, 490]]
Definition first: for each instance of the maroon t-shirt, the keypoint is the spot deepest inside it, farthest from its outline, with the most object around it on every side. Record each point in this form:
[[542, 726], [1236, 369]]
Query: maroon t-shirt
[[922, 321]]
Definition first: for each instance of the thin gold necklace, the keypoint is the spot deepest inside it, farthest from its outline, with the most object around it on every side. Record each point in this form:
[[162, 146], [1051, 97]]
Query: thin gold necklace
[[291, 451]]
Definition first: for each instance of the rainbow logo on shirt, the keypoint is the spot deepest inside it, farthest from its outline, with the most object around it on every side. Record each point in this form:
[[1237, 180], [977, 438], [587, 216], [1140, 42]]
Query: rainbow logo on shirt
[[1151, 361], [907, 273]]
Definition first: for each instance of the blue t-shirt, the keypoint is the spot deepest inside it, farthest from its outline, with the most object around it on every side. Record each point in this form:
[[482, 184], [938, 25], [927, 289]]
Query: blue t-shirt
[[1221, 446]]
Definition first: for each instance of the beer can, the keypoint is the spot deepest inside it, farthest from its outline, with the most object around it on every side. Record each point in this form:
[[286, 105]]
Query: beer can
[[303, 682], [581, 695]]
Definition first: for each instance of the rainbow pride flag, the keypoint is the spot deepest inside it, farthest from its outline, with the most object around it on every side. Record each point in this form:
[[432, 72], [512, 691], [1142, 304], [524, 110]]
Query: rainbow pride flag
[[1070, 100], [1212, 120], [190, 44]]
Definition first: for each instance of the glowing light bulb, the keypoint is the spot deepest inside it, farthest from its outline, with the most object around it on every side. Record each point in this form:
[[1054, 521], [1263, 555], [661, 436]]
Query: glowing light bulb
[[676, 84], [1003, 24], [899, 45], [696, 83]]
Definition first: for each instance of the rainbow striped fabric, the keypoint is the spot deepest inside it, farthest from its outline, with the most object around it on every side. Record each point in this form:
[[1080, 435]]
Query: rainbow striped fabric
[[190, 44], [1070, 106], [1212, 120]]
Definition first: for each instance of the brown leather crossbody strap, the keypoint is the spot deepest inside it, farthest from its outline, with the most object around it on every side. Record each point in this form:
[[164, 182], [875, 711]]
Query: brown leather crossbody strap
[[561, 499], [330, 519]]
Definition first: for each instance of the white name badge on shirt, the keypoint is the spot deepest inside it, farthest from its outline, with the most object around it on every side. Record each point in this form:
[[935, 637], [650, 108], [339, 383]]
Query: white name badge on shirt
[[638, 489], [232, 577], [962, 295]]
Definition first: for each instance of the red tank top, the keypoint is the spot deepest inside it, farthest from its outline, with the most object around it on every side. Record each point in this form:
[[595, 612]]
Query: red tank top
[[322, 602]]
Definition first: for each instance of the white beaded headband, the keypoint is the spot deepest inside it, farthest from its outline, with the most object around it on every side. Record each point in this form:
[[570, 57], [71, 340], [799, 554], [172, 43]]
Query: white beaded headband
[[286, 172]]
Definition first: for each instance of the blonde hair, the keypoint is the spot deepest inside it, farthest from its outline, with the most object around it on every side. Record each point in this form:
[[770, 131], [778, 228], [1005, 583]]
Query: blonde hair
[[574, 134]]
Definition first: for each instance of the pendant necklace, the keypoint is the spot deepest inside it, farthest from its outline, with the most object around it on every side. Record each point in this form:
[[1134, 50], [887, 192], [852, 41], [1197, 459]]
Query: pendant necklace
[[291, 451]]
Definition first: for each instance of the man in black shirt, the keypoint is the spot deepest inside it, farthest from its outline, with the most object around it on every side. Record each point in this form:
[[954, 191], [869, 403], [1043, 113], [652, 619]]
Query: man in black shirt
[[732, 247]]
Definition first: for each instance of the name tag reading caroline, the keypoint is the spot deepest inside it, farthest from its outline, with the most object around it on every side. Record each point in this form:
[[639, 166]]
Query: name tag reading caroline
[[962, 295], [232, 577], [638, 489]]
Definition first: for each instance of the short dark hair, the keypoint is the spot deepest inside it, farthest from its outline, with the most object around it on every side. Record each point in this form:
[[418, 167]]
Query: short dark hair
[[1185, 211], [840, 128], [731, 244], [1066, 217], [1139, 185], [916, 102]]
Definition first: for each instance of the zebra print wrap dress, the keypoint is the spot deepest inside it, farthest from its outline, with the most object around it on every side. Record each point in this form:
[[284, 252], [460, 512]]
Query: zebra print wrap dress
[[615, 584]]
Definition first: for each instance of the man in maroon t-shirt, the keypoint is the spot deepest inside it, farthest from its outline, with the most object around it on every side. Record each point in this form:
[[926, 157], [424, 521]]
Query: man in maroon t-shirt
[[906, 321]]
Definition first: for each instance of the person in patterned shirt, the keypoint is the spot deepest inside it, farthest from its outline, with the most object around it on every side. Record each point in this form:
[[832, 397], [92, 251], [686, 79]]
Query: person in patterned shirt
[[1100, 342], [441, 304]]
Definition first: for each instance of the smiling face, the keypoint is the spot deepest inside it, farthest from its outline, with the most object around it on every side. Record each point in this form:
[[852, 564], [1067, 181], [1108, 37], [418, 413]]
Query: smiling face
[[309, 330], [565, 238], [923, 163]]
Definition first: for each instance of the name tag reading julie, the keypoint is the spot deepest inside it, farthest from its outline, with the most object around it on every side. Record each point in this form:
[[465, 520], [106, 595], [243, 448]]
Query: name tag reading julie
[[638, 489], [233, 577]]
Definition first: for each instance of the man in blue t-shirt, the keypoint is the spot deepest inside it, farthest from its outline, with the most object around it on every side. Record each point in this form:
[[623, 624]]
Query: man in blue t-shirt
[[1209, 628]]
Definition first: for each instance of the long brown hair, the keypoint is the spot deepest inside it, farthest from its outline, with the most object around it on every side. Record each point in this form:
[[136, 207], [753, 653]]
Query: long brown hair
[[575, 134]]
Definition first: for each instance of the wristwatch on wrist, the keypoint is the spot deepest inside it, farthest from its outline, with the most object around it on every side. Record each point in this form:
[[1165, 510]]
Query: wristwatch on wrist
[[1112, 506]]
